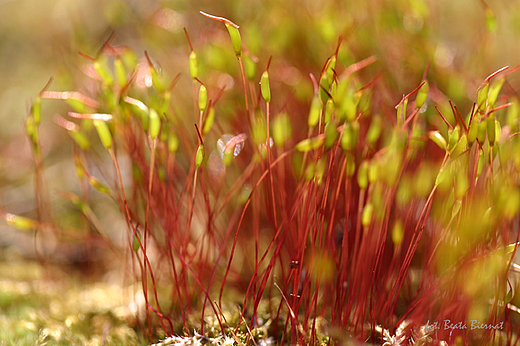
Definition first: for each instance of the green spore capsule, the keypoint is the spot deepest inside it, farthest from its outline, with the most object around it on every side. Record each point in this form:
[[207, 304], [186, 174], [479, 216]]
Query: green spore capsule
[[173, 142], [422, 95], [155, 124], [120, 72], [366, 217], [374, 131], [482, 129], [473, 131], [460, 146], [210, 119], [81, 140], [37, 110], [194, 67], [103, 73], [264, 87], [453, 137], [362, 177], [200, 155], [314, 112], [329, 108], [249, 67], [483, 96], [104, 133], [100, 187], [310, 144], [32, 131], [438, 139], [203, 98], [236, 40], [480, 164], [20, 222], [281, 129], [136, 242], [330, 134], [491, 132], [494, 91]]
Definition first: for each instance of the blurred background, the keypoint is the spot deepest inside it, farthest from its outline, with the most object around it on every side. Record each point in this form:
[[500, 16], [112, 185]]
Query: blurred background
[[461, 41]]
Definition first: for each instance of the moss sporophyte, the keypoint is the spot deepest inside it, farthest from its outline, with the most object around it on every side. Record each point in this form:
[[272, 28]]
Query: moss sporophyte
[[328, 210]]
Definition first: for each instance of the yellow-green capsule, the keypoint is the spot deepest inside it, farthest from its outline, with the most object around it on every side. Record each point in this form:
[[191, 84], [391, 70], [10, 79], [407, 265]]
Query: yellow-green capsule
[[310, 144], [203, 98], [491, 20], [329, 108], [491, 133], [236, 40], [331, 65], [314, 112], [81, 140], [374, 131], [460, 146], [158, 81], [309, 171], [249, 67], [324, 85], [330, 134], [443, 174], [319, 170], [173, 142], [494, 90], [155, 124], [37, 110], [422, 95], [120, 72], [346, 137], [355, 133], [480, 163], [130, 60], [136, 242], [78, 166], [210, 119], [229, 155], [351, 165], [200, 155], [194, 67], [483, 96], [96, 184], [373, 173], [473, 131], [498, 131], [164, 133], [282, 129], [453, 137], [350, 104], [362, 177], [32, 131], [264, 87], [438, 139], [20, 222], [103, 73], [401, 112], [259, 129], [397, 233], [77, 105], [456, 207], [104, 133], [482, 129], [366, 217], [350, 135]]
